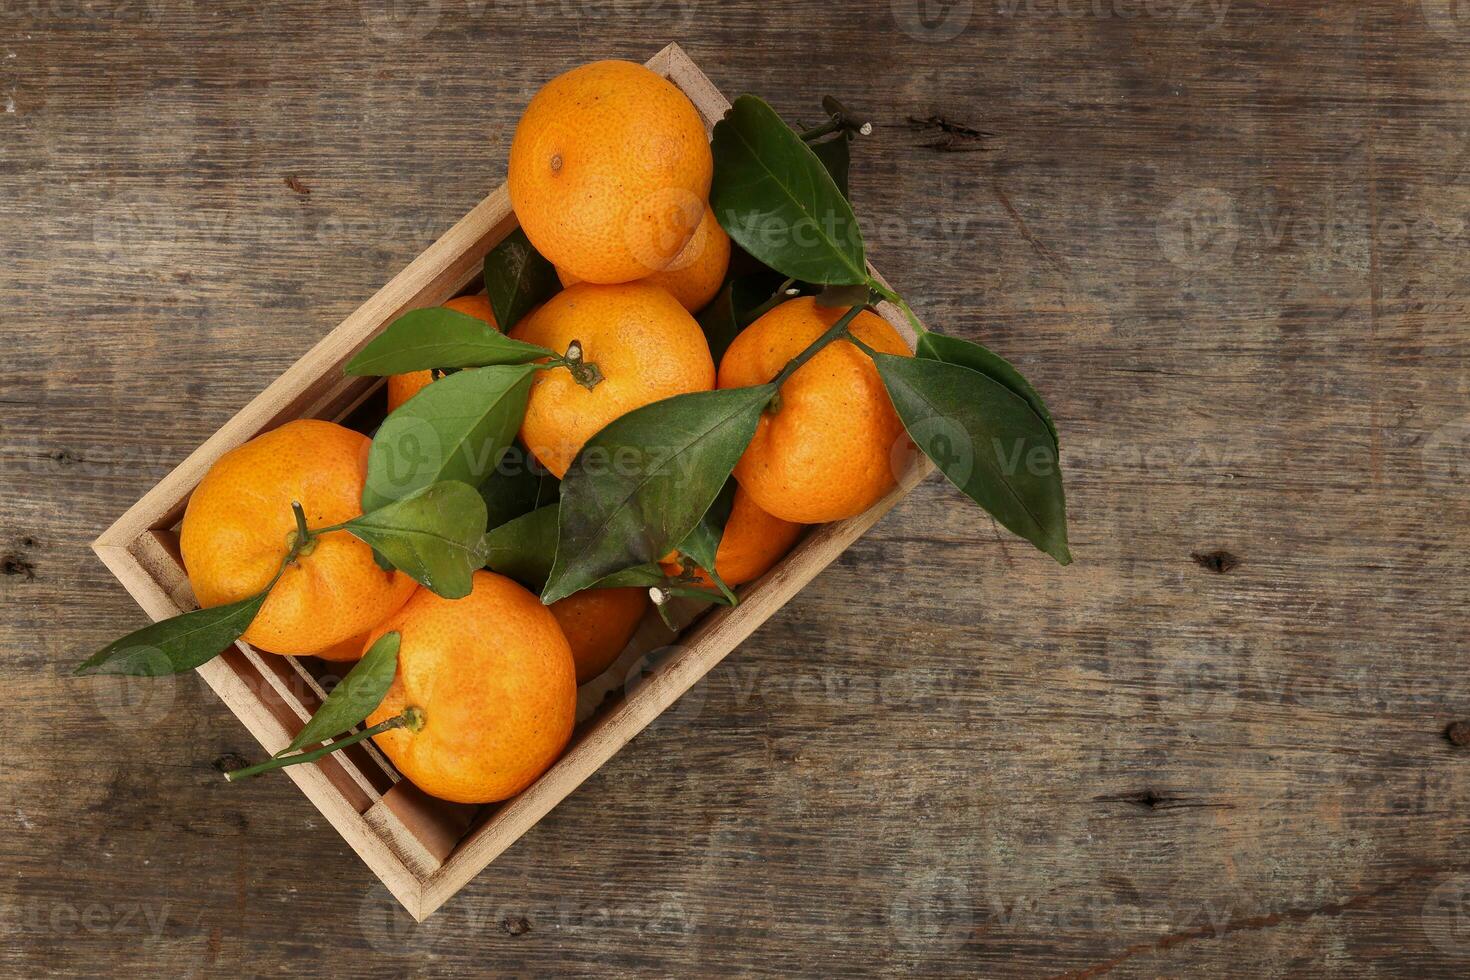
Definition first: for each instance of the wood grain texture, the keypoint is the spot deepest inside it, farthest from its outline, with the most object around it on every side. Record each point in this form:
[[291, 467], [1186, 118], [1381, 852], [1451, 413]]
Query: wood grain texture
[[1229, 245]]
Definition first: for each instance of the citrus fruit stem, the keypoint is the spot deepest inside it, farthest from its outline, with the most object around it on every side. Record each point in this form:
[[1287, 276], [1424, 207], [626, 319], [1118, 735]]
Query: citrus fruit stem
[[780, 296], [898, 301], [832, 333], [300, 541], [584, 372], [840, 119], [281, 762]]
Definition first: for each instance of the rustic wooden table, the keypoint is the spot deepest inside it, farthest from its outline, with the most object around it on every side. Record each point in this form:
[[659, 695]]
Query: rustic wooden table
[[1227, 240]]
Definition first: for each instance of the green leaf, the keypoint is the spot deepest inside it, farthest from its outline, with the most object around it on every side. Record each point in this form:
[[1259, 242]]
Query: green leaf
[[987, 441], [702, 545], [517, 278], [836, 156], [434, 536], [438, 338], [457, 428], [775, 198], [952, 350], [718, 322], [517, 486], [351, 701], [524, 548], [639, 576], [173, 646], [639, 486]]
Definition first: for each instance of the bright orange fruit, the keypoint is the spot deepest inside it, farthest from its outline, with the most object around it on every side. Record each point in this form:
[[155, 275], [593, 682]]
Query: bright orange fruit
[[402, 387], [609, 171], [239, 526], [491, 680], [645, 344], [696, 273], [826, 453], [598, 624], [751, 545]]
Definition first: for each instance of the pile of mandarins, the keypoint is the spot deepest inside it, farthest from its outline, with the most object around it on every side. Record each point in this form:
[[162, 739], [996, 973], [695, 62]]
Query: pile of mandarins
[[609, 175]]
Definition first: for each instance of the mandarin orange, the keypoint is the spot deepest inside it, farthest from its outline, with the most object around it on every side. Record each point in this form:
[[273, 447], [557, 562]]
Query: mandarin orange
[[610, 168], [826, 453], [239, 527], [490, 686], [696, 273], [598, 624], [645, 344], [402, 387]]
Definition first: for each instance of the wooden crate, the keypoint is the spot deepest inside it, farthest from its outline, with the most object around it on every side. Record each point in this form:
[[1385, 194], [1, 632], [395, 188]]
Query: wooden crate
[[423, 849]]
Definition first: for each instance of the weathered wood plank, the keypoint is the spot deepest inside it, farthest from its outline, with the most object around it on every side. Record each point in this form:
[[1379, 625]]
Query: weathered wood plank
[[1230, 252]]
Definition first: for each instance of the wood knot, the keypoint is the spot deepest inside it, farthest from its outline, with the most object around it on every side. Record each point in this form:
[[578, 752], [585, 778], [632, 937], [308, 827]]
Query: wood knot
[[1219, 561], [1458, 733], [18, 565], [515, 925], [228, 761]]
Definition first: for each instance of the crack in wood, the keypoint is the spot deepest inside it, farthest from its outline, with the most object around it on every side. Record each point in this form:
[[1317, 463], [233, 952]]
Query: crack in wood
[[952, 137], [1254, 923], [1041, 247], [1152, 799]]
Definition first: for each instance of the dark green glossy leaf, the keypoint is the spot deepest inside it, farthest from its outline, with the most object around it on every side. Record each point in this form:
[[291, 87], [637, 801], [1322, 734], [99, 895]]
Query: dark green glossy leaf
[[434, 536], [361, 691], [517, 486], [836, 156], [775, 198], [438, 338], [717, 320], [640, 486], [525, 547], [639, 576], [702, 545], [517, 278], [175, 645], [951, 350], [987, 440], [457, 428]]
